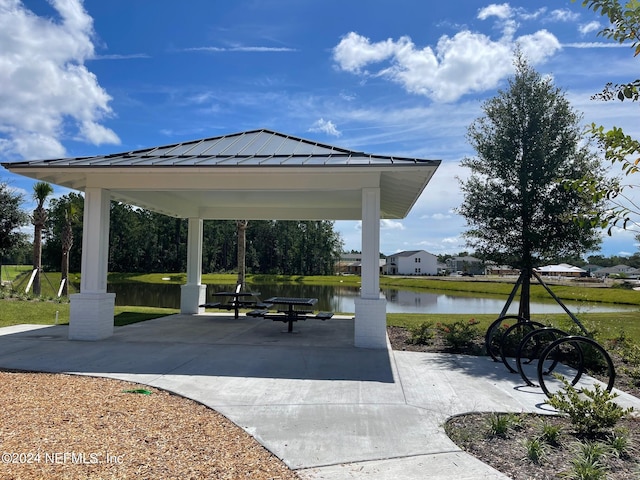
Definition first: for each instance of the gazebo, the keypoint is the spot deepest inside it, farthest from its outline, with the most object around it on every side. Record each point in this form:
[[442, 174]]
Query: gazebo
[[253, 175]]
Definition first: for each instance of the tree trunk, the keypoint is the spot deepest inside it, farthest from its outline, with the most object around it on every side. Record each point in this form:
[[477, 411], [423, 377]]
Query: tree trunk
[[67, 243], [37, 257], [524, 309], [242, 250]]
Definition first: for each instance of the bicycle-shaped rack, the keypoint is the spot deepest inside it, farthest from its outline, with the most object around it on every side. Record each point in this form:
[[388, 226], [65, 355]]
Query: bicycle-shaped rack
[[519, 345]]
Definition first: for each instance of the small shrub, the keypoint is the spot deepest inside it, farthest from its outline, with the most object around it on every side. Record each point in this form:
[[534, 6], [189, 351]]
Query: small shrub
[[550, 433], [500, 423], [536, 449], [590, 411], [619, 443], [421, 334], [460, 334]]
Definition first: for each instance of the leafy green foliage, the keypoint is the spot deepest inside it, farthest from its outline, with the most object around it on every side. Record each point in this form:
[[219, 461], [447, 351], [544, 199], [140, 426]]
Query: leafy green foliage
[[536, 449], [12, 217], [460, 334], [619, 148], [499, 424], [588, 463], [528, 143], [590, 411], [550, 433], [421, 334]]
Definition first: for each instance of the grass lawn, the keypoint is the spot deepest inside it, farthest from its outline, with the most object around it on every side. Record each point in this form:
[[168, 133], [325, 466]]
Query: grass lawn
[[606, 325]]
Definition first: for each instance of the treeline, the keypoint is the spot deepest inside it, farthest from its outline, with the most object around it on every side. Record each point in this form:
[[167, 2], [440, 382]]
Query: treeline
[[144, 241]]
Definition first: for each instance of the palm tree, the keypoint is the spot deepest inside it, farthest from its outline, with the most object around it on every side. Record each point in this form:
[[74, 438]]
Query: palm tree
[[242, 250], [41, 191], [71, 211]]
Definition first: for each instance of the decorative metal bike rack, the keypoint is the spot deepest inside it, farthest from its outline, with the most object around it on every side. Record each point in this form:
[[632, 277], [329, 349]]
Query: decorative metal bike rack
[[518, 345]]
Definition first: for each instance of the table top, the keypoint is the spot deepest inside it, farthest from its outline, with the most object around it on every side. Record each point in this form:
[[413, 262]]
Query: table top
[[292, 300], [236, 294]]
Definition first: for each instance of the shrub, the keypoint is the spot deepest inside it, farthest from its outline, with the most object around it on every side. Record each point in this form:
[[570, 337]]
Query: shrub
[[421, 334], [536, 449], [590, 411], [550, 433], [500, 423], [460, 334]]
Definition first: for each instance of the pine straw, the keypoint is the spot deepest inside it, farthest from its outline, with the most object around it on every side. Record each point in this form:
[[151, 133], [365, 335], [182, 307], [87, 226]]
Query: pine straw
[[72, 427]]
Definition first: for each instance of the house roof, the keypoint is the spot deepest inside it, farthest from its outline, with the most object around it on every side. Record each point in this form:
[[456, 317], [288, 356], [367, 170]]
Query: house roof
[[258, 174], [561, 268]]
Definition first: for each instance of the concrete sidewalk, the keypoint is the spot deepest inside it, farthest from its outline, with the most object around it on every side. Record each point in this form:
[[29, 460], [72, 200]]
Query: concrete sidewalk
[[327, 409]]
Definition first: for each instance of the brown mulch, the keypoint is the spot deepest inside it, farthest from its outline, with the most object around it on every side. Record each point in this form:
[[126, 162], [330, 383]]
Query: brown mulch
[[507, 453], [70, 427]]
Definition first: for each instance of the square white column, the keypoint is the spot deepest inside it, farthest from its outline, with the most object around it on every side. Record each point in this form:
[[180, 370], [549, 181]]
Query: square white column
[[92, 310], [193, 293], [371, 310]]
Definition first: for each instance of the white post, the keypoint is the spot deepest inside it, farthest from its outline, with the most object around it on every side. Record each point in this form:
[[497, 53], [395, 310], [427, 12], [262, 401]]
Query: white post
[[371, 310], [193, 293], [91, 313]]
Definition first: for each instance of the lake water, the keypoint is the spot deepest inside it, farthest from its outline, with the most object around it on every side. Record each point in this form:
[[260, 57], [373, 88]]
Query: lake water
[[341, 299]]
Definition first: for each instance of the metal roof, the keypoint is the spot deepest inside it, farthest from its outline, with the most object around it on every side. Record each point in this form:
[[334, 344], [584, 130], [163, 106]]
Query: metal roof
[[258, 174]]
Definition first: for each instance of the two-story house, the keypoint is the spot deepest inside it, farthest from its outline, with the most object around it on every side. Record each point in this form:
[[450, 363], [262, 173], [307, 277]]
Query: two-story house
[[413, 262]]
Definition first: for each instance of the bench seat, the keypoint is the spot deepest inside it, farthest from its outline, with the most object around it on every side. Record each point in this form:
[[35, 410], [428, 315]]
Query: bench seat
[[210, 305], [257, 313], [324, 315]]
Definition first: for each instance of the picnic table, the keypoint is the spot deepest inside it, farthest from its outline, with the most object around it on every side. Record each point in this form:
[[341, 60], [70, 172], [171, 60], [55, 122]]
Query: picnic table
[[292, 312], [239, 299]]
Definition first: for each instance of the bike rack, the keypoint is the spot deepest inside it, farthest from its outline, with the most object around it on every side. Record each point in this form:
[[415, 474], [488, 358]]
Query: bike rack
[[497, 342]]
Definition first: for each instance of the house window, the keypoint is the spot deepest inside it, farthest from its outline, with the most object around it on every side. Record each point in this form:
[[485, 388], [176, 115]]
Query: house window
[[416, 260], [417, 270]]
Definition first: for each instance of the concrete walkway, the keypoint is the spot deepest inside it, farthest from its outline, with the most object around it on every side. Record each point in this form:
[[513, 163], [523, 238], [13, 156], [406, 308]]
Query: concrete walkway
[[327, 409]]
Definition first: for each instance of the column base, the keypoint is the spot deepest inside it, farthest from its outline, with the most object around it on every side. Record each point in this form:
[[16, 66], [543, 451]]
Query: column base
[[370, 323], [91, 316], [192, 295]]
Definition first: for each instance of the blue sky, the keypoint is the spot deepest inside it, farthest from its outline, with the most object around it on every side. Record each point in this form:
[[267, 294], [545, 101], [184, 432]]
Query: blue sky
[[400, 78]]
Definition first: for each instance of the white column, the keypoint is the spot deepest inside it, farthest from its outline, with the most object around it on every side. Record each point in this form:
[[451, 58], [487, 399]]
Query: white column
[[193, 293], [92, 310], [371, 310]]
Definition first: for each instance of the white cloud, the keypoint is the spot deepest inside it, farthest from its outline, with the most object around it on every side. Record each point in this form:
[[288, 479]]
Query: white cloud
[[587, 28], [46, 88], [563, 15], [391, 225], [502, 11], [467, 62], [325, 126]]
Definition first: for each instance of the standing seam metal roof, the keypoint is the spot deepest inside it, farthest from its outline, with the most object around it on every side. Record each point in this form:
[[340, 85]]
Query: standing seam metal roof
[[252, 148]]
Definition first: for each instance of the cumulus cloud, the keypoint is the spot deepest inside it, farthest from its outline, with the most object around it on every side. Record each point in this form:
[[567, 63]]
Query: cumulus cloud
[[47, 92], [467, 62], [325, 126], [386, 224], [563, 15], [587, 28]]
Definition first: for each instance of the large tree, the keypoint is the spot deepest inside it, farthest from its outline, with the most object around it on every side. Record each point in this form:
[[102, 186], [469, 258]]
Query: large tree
[[527, 143], [41, 192], [12, 217]]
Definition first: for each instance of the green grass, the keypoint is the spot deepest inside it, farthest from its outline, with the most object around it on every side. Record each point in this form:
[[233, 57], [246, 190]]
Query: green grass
[[606, 325], [15, 312], [11, 272]]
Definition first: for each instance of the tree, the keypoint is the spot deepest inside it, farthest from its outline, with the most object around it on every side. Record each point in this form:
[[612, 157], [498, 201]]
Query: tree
[[517, 209], [71, 216], [12, 217], [241, 226], [41, 191], [619, 148]]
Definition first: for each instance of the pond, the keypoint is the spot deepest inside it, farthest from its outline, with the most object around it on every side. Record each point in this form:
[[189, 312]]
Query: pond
[[341, 299]]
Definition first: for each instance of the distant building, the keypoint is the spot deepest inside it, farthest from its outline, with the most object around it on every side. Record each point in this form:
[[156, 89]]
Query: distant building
[[617, 270], [351, 264], [471, 265], [561, 270], [413, 262]]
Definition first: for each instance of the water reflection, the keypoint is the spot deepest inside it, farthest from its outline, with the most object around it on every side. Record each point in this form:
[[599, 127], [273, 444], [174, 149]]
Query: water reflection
[[342, 299]]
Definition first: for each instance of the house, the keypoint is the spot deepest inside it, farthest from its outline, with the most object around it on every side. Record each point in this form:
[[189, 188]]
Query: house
[[561, 270], [467, 264], [413, 262], [351, 264], [616, 270]]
